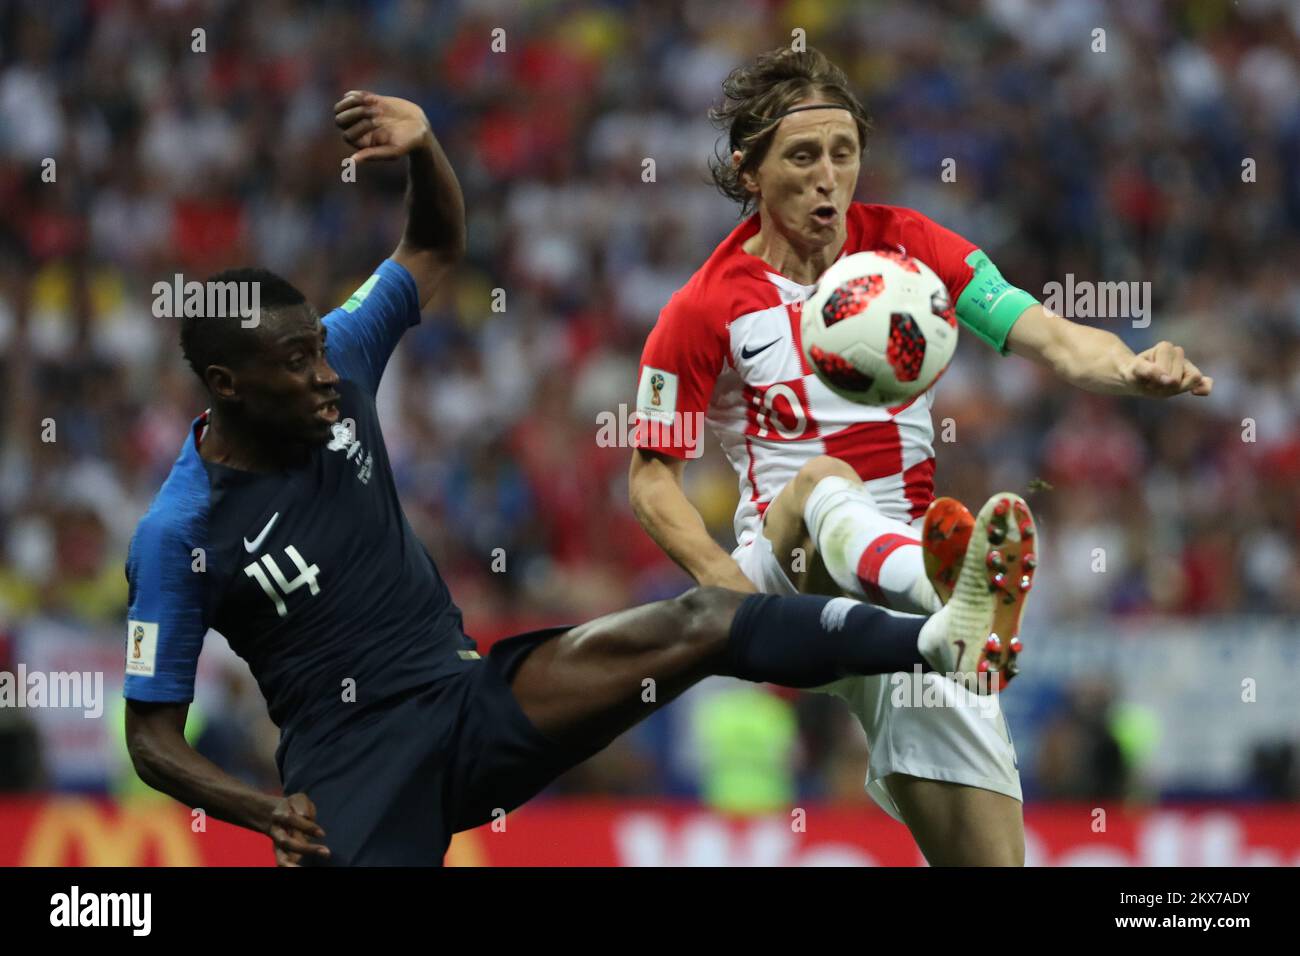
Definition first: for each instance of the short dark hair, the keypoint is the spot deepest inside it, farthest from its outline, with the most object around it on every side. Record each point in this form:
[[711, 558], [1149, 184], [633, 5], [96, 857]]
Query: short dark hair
[[223, 340], [755, 93]]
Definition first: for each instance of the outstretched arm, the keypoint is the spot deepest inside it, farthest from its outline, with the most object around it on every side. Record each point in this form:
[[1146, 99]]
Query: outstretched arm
[[1098, 361], [385, 127]]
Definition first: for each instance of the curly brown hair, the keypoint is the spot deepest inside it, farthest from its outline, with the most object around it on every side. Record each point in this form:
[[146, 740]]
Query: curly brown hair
[[757, 92]]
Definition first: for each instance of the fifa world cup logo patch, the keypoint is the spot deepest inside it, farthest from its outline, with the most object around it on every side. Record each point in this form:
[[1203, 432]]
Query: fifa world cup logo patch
[[136, 637], [656, 386]]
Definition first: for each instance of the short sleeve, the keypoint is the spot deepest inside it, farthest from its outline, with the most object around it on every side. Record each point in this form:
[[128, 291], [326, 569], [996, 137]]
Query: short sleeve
[[165, 622], [986, 304], [679, 367], [364, 331]]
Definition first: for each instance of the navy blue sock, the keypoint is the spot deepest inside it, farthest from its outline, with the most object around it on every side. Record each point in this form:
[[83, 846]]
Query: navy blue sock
[[798, 641]]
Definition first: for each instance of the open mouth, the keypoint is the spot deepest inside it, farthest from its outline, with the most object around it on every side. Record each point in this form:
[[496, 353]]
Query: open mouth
[[329, 410], [825, 214]]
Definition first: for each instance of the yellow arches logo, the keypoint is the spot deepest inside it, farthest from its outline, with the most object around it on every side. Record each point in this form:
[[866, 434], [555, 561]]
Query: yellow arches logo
[[466, 850], [68, 831]]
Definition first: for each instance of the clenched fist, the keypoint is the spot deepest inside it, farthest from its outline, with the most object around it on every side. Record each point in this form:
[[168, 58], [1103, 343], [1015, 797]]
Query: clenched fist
[[1162, 370]]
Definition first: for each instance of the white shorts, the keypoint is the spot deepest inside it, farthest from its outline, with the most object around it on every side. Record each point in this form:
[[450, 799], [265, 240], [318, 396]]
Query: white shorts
[[924, 726]]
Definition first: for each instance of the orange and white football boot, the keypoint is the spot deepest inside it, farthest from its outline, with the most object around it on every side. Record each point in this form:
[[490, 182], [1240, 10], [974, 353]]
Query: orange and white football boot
[[975, 637], [944, 538]]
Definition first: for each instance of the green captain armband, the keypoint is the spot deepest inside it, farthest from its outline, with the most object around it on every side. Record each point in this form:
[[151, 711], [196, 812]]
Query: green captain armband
[[990, 305]]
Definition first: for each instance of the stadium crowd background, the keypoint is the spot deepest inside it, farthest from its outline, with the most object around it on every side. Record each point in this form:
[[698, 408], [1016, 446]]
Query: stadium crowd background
[[1123, 165]]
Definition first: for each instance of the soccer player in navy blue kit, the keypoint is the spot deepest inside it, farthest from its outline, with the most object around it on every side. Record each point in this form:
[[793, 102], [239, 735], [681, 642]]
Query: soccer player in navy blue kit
[[280, 527]]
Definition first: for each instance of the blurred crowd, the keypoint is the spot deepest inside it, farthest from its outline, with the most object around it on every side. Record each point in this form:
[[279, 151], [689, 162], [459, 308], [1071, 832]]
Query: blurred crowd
[[1144, 141]]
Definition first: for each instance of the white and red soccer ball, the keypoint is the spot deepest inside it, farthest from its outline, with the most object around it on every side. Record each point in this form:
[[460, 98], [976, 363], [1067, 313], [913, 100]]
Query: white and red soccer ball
[[878, 328]]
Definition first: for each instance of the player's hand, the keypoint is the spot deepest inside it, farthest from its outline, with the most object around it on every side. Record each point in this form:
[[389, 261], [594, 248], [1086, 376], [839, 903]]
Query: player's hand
[[381, 127], [1162, 370], [294, 831]]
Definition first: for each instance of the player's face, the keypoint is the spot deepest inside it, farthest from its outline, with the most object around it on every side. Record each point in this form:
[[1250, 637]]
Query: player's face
[[807, 179], [287, 387]]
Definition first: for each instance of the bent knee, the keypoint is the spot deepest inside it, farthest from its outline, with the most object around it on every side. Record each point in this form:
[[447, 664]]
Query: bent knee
[[815, 469]]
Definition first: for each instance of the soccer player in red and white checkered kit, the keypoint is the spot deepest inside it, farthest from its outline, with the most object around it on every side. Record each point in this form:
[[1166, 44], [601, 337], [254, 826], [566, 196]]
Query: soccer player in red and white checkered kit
[[394, 731], [837, 497]]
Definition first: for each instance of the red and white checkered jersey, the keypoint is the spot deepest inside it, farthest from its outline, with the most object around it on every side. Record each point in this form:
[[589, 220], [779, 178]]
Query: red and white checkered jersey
[[726, 349]]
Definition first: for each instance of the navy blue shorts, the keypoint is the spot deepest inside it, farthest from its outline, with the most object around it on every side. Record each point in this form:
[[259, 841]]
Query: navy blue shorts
[[392, 788]]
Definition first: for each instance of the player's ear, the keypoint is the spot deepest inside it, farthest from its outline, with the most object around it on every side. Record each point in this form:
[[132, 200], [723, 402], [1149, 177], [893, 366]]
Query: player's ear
[[221, 381], [747, 179]]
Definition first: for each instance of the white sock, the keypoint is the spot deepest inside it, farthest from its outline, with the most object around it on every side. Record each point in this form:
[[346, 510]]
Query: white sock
[[869, 556], [932, 642]]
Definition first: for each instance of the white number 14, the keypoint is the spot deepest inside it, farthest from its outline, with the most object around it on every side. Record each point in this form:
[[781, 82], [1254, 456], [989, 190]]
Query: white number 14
[[306, 575]]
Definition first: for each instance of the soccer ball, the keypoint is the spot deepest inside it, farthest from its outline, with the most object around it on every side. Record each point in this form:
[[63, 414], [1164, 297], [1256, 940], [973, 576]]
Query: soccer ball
[[878, 328]]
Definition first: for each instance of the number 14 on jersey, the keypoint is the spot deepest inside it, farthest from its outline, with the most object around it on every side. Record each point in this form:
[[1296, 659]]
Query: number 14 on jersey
[[306, 576]]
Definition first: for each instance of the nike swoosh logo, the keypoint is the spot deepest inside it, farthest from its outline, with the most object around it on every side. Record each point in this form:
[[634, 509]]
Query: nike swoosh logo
[[745, 353], [251, 546]]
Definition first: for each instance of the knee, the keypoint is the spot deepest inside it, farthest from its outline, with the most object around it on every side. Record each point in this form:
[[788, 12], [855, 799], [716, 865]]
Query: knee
[[815, 469], [705, 615]]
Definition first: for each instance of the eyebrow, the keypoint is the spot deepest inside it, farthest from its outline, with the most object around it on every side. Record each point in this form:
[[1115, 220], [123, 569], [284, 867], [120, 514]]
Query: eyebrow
[[293, 337], [805, 139]]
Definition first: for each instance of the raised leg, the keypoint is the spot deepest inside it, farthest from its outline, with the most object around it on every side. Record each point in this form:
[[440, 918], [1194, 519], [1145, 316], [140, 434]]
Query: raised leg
[[597, 680], [953, 824], [590, 684], [830, 537]]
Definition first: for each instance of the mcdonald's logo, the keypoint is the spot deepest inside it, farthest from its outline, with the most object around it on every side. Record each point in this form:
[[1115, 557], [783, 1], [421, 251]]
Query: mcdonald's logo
[[71, 832], [466, 849]]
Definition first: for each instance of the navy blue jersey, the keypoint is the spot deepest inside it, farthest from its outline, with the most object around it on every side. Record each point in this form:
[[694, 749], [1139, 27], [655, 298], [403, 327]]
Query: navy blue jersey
[[312, 574]]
